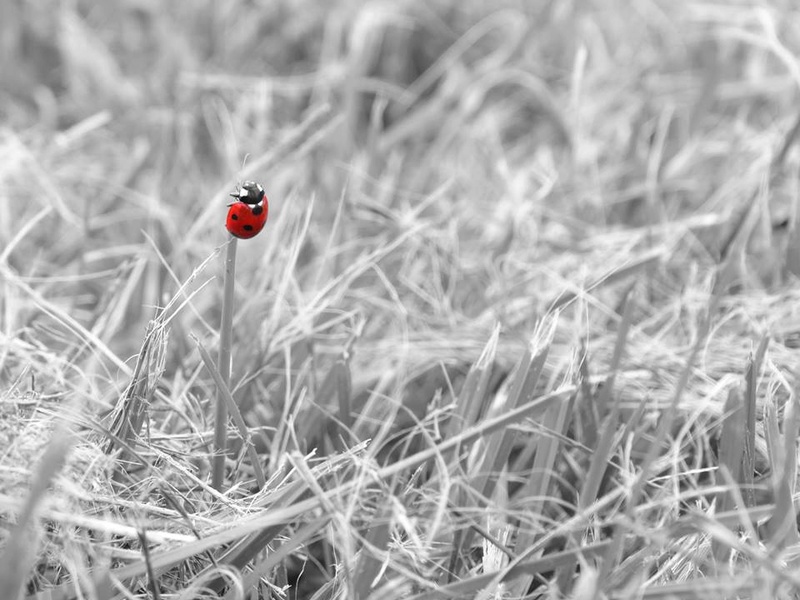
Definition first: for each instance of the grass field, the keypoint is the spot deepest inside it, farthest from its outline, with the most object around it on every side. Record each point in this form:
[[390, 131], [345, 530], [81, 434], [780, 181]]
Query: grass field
[[523, 322]]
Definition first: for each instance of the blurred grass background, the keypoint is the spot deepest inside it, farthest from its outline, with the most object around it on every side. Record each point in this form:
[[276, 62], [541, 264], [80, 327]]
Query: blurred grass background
[[435, 170]]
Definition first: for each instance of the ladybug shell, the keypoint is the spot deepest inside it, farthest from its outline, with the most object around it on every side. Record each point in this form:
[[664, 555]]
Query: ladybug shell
[[246, 220]]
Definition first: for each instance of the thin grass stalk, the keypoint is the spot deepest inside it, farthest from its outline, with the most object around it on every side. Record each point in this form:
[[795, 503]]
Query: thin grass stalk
[[224, 366], [344, 389], [222, 389], [152, 579], [772, 436]]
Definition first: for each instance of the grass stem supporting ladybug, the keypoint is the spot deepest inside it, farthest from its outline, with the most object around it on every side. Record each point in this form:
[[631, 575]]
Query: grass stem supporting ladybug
[[246, 218], [224, 366]]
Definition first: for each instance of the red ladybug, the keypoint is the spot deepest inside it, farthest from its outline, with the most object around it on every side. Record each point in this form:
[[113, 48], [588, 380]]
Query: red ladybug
[[247, 215]]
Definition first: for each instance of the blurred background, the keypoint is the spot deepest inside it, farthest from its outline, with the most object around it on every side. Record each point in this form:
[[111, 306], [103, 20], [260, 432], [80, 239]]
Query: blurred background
[[125, 124], [471, 161]]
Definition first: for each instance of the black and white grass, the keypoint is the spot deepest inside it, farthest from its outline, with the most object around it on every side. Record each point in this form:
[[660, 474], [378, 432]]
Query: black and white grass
[[525, 329]]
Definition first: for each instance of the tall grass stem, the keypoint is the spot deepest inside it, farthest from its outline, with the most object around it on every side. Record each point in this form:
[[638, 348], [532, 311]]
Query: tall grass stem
[[224, 365]]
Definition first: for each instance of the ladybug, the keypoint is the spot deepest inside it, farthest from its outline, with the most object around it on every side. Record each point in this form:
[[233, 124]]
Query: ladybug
[[247, 215]]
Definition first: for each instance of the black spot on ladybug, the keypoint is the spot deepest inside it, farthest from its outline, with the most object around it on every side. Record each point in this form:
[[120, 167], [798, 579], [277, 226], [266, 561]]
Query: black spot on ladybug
[[234, 217], [248, 228], [257, 210]]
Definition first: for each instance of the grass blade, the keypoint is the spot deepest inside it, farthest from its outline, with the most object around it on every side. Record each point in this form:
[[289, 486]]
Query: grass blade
[[731, 453], [468, 587], [588, 418], [556, 420], [275, 556], [609, 434], [498, 445], [781, 529], [344, 391], [19, 555], [129, 413], [152, 579], [473, 393], [666, 421], [731, 443], [601, 458], [751, 389], [368, 565]]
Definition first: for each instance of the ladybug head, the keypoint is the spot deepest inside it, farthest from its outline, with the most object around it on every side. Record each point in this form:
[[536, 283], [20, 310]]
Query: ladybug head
[[250, 192]]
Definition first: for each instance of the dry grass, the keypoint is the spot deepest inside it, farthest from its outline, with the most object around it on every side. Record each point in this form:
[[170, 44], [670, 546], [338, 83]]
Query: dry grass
[[523, 321]]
